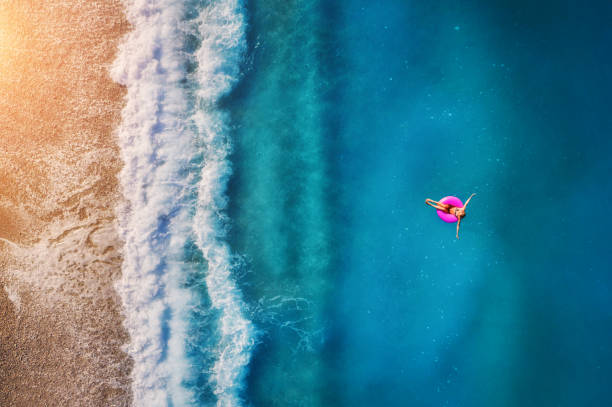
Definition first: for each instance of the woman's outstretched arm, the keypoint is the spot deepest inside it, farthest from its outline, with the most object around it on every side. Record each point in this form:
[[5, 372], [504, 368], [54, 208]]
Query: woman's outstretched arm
[[458, 223], [468, 201]]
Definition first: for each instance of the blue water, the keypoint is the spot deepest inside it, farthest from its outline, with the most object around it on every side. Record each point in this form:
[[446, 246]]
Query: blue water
[[278, 249], [347, 116]]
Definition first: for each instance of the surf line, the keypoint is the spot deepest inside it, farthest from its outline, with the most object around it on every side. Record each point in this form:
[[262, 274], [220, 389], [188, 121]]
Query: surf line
[[221, 28], [155, 219]]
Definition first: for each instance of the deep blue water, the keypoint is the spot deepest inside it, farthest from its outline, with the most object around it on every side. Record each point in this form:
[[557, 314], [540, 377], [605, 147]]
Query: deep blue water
[[347, 116]]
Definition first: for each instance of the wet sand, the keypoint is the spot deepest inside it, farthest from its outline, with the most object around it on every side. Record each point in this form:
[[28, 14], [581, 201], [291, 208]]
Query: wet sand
[[61, 327]]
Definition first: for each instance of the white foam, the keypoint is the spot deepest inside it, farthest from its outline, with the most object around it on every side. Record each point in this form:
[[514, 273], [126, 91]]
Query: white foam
[[13, 296], [156, 146], [221, 27]]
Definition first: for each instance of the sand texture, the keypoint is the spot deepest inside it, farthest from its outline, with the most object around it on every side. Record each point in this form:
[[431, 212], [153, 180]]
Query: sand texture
[[61, 326]]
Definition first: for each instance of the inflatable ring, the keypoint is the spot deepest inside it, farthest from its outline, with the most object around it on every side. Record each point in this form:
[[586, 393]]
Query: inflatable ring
[[453, 201]]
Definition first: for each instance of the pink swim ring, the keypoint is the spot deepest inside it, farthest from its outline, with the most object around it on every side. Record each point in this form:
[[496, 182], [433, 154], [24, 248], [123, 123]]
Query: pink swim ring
[[453, 201]]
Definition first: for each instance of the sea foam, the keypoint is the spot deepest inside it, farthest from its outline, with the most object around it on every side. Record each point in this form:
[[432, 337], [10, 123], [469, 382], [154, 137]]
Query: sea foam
[[221, 27], [160, 137]]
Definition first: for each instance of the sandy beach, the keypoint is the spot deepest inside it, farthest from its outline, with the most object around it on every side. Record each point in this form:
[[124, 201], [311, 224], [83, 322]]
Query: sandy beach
[[61, 328]]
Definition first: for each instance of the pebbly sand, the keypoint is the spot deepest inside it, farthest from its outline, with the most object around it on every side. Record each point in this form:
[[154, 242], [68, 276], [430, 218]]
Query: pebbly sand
[[61, 328]]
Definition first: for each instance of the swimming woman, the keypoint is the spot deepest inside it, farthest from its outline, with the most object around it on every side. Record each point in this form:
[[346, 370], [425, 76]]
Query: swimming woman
[[457, 211]]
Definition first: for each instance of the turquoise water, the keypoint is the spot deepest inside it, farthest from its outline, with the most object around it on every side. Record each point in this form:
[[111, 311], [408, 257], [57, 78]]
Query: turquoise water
[[346, 117], [281, 200], [278, 251]]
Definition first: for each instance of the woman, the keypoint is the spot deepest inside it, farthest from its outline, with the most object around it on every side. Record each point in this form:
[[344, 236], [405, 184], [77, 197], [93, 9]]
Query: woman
[[456, 211]]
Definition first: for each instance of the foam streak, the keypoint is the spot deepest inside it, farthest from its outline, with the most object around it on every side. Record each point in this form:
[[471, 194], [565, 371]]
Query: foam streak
[[156, 146], [161, 135], [222, 32]]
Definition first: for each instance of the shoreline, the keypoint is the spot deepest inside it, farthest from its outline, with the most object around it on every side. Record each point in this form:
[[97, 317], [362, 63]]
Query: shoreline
[[61, 323]]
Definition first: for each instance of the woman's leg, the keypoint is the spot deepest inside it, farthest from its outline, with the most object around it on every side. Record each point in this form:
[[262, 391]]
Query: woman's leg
[[437, 205]]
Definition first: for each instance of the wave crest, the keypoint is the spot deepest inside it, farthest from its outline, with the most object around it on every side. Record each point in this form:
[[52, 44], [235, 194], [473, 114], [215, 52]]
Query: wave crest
[[166, 126]]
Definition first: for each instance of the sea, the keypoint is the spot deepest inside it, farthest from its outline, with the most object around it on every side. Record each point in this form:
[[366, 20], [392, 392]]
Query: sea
[[277, 156]]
